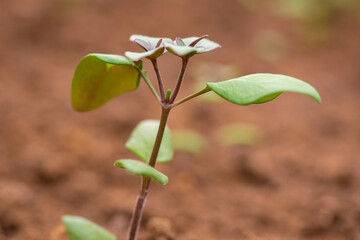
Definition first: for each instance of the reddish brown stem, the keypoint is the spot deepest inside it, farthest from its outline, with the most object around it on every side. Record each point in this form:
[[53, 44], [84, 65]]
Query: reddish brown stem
[[137, 214]]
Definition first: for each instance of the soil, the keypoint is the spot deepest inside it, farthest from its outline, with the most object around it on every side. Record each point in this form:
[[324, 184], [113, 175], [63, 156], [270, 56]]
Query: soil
[[301, 181]]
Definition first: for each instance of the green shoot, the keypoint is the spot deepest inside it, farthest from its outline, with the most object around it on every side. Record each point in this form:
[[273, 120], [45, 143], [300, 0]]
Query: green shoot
[[102, 77]]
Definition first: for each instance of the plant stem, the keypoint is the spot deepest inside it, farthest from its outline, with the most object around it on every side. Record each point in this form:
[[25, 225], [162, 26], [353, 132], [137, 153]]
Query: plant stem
[[161, 86], [164, 116], [146, 79], [181, 76], [137, 214], [205, 90]]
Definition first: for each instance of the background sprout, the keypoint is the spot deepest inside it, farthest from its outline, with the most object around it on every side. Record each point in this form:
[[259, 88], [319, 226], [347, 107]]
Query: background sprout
[[189, 141]]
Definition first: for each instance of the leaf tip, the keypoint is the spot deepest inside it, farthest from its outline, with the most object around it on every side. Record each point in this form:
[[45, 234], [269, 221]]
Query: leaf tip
[[164, 181], [315, 95], [69, 218], [65, 218], [118, 164], [318, 98]]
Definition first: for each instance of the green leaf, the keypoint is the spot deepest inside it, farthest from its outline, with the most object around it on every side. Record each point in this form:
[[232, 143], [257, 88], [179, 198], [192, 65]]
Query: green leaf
[[201, 44], [189, 141], [181, 51], [151, 54], [148, 43], [79, 228], [142, 139], [100, 77], [204, 72], [179, 42], [261, 88], [142, 169], [111, 59]]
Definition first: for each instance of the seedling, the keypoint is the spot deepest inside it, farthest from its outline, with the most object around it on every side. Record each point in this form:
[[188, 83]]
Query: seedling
[[101, 77], [315, 17]]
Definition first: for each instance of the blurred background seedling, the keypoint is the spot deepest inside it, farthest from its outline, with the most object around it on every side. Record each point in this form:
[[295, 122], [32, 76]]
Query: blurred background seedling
[[249, 5], [270, 45], [239, 134], [189, 141], [314, 18]]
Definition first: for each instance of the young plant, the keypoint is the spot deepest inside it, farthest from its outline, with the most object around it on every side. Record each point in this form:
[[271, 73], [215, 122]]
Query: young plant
[[100, 77]]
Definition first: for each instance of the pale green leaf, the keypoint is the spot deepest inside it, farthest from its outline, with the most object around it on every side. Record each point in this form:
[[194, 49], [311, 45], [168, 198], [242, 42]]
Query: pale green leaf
[[100, 77], [79, 228], [142, 169], [148, 43], [260, 88], [194, 42], [181, 51], [111, 59], [142, 139], [203, 44], [179, 42], [155, 53]]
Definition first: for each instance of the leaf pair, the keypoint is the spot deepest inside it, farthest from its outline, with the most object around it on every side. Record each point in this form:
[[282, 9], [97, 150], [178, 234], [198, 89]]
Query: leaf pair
[[141, 143], [101, 77], [181, 47]]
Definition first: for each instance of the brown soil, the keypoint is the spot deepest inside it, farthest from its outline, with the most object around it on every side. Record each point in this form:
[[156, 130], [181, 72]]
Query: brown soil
[[301, 182]]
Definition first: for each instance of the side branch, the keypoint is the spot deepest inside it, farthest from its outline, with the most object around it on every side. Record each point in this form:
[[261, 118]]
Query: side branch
[[147, 81], [201, 92], [181, 76], [161, 86]]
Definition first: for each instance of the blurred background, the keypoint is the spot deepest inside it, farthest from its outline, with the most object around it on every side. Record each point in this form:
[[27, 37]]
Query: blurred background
[[288, 169]]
